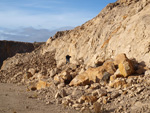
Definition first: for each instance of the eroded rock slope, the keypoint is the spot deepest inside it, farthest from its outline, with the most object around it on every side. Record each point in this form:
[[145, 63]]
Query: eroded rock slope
[[121, 27], [109, 69]]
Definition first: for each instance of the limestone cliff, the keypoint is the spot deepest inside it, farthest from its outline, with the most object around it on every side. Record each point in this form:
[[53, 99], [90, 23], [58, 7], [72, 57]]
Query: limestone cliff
[[121, 27]]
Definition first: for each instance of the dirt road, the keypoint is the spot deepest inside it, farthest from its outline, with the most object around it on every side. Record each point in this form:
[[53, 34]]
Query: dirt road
[[16, 99]]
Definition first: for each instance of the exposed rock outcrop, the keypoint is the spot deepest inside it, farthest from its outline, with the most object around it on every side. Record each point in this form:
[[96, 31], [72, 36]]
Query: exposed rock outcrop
[[123, 28], [10, 48]]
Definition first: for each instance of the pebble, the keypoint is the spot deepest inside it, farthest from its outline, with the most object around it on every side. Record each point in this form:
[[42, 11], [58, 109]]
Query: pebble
[[104, 101], [48, 102], [61, 85], [87, 86], [115, 95], [76, 105]]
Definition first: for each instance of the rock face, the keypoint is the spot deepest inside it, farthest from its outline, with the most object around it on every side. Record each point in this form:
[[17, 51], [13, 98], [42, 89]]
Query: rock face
[[10, 48], [121, 27]]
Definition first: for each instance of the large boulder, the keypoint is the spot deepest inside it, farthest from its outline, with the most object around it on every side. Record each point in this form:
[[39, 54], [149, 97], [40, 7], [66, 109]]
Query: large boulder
[[63, 77], [124, 64], [94, 74]]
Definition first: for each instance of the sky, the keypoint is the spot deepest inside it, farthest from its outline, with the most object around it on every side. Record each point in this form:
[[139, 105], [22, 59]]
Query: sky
[[37, 20]]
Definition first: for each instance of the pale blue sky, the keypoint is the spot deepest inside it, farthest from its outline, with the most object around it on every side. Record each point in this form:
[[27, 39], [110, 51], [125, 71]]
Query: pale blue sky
[[47, 14]]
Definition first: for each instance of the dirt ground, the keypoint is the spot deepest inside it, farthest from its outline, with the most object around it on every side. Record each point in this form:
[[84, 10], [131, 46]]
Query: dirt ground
[[16, 99]]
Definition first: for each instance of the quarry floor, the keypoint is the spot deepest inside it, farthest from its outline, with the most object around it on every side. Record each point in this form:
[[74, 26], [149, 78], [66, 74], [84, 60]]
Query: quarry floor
[[17, 99]]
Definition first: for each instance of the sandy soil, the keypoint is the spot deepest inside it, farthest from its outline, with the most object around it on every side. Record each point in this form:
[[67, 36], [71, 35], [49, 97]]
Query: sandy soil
[[16, 99]]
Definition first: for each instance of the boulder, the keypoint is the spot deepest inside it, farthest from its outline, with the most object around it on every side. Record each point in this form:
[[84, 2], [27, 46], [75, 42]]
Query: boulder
[[124, 64], [63, 77], [42, 84], [117, 83], [88, 98], [117, 74], [94, 74], [81, 79]]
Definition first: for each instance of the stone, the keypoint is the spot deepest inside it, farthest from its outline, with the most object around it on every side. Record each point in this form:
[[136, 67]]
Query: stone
[[38, 76], [69, 97], [76, 92], [89, 90], [81, 100], [139, 90], [65, 102], [53, 72], [87, 86], [120, 58], [93, 74], [117, 83], [73, 66], [104, 101], [82, 70], [102, 92], [28, 75], [63, 77], [61, 85], [42, 84], [62, 93], [109, 66], [77, 109], [147, 72], [58, 101], [81, 79], [99, 92], [125, 69], [99, 100], [115, 95], [112, 78], [32, 71], [95, 86], [76, 106], [117, 74], [57, 95], [125, 92], [95, 93], [124, 64], [48, 102], [89, 99], [106, 77]]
